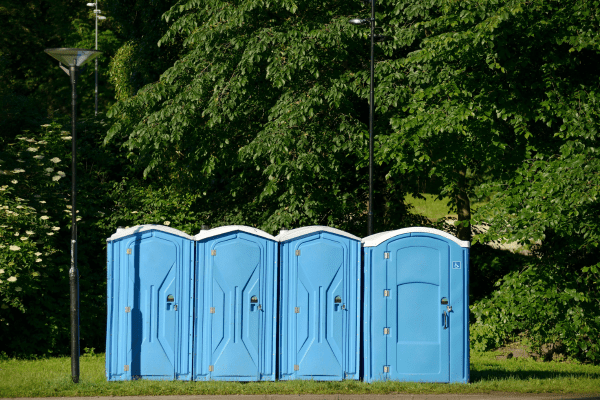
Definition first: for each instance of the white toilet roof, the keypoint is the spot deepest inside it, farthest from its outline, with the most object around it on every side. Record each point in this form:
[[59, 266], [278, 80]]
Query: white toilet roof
[[378, 238], [123, 232], [204, 234], [306, 230]]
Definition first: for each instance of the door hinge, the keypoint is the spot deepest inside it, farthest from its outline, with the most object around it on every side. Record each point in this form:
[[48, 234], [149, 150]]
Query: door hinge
[[212, 310], [211, 368], [127, 309], [297, 252], [296, 367], [386, 331], [128, 251], [386, 255], [126, 368], [386, 293], [386, 368], [297, 310], [213, 252]]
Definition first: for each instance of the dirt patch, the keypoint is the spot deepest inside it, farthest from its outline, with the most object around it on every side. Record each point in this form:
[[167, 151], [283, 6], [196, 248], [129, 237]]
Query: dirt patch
[[549, 352]]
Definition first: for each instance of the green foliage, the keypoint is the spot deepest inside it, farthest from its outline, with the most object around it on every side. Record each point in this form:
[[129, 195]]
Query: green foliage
[[255, 112], [35, 229], [122, 67], [263, 112], [33, 88], [548, 304], [140, 61], [17, 113], [82, 35], [488, 266], [500, 100], [35, 239], [551, 196], [32, 194]]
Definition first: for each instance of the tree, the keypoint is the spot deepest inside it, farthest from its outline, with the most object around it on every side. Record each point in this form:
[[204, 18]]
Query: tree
[[500, 100], [139, 61], [33, 88], [263, 114]]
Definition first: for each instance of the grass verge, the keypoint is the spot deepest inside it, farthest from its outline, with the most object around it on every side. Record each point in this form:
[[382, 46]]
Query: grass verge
[[51, 378]]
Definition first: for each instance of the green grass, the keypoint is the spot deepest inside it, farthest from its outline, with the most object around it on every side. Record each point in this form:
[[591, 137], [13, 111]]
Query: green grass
[[51, 378], [430, 207]]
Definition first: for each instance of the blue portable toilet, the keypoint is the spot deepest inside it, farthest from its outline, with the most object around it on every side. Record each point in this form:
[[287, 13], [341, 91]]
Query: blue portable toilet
[[416, 306], [149, 287], [319, 298], [236, 308]]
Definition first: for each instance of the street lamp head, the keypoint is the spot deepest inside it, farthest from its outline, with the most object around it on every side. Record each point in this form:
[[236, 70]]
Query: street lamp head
[[358, 21], [73, 57], [91, 4], [101, 17]]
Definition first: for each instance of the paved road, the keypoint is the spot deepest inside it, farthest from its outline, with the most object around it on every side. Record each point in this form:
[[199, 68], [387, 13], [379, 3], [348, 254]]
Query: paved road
[[494, 396]]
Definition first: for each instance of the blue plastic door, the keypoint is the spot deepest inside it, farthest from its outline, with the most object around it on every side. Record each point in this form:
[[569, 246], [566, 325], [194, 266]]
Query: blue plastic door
[[418, 335], [154, 295], [234, 287], [320, 313]]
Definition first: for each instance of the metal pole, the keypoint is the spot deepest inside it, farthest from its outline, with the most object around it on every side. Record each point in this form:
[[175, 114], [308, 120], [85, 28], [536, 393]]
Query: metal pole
[[96, 61], [371, 115], [73, 272]]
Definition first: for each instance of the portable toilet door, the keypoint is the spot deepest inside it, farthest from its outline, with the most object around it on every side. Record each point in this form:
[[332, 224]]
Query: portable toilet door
[[149, 290], [416, 322], [319, 304], [236, 309]]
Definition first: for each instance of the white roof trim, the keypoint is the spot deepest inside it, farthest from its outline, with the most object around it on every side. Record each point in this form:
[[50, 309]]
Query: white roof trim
[[120, 233], [204, 234], [286, 235], [378, 238]]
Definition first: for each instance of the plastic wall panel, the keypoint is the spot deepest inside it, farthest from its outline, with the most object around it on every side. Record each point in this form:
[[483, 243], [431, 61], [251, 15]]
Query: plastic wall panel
[[319, 337], [149, 287], [236, 341], [402, 286]]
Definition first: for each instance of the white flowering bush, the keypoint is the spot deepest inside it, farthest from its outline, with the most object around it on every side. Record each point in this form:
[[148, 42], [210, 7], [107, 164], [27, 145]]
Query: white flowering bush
[[31, 204], [35, 230], [22, 237]]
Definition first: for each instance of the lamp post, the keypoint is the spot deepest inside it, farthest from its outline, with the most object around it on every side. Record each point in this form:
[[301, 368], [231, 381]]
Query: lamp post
[[98, 16], [374, 38], [73, 58]]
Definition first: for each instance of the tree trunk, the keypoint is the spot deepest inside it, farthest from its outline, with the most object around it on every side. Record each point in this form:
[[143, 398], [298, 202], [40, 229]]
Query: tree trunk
[[463, 206]]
